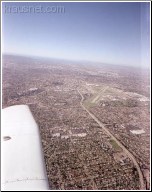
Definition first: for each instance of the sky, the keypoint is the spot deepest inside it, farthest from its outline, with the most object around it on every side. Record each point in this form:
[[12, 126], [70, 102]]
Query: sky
[[114, 33]]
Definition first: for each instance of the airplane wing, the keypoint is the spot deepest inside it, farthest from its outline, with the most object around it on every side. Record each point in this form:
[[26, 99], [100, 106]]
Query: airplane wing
[[22, 164]]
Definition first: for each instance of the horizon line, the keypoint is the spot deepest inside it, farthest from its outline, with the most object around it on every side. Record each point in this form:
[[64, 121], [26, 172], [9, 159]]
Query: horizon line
[[77, 60]]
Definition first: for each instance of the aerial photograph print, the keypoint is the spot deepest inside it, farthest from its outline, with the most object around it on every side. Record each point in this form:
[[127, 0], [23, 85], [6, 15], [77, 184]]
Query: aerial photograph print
[[75, 95]]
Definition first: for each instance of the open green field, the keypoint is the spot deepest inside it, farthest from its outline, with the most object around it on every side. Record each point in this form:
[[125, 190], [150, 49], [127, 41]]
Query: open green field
[[115, 145]]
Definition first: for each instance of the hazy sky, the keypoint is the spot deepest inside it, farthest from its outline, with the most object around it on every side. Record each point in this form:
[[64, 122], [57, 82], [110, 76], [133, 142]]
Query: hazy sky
[[116, 33]]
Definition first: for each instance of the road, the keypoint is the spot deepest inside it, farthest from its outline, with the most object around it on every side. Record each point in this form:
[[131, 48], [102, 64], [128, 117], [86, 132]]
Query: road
[[141, 179]]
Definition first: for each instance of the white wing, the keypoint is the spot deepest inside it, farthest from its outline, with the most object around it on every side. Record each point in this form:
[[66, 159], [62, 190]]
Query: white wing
[[23, 166]]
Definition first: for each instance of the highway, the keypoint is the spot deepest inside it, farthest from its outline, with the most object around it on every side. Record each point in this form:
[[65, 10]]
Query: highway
[[126, 151]]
